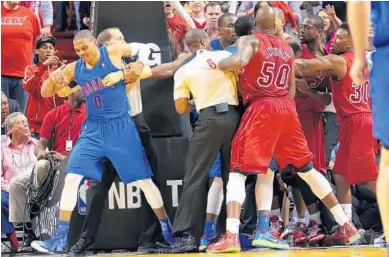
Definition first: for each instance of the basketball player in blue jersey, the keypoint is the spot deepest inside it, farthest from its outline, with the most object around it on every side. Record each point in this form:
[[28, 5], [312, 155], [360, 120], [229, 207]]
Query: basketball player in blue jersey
[[359, 20], [108, 132]]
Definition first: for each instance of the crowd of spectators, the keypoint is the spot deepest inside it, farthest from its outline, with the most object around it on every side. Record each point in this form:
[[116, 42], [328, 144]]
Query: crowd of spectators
[[31, 123]]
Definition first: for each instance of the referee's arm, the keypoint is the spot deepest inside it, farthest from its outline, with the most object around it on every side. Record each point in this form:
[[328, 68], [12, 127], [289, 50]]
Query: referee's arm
[[181, 97]]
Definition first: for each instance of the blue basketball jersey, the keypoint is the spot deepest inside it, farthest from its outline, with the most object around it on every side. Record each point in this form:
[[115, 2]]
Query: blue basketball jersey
[[103, 103], [380, 19]]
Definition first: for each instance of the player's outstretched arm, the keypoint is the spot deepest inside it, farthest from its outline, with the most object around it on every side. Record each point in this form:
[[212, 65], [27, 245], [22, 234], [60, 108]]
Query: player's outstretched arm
[[58, 81], [358, 15], [335, 63], [247, 47], [165, 70]]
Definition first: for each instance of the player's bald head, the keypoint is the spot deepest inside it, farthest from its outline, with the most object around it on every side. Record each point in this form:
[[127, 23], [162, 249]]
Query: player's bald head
[[83, 34], [265, 18], [196, 39], [279, 13]]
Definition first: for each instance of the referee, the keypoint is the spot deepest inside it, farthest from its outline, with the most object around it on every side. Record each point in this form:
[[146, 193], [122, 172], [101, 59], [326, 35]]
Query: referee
[[214, 93]]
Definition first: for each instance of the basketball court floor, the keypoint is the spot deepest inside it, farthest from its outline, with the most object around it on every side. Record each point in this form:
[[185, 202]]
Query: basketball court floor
[[315, 252]]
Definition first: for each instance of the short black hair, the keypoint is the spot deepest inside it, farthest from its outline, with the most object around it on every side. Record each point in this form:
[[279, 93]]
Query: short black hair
[[345, 26], [244, 25], [212, 4], [317, 21], [222, 19]]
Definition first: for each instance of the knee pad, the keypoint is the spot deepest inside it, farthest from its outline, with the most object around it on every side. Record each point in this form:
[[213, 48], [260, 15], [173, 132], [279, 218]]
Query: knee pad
[[215, 197], [305, 168], [152, 193], [236, 190], [70, 191], [317, 182]]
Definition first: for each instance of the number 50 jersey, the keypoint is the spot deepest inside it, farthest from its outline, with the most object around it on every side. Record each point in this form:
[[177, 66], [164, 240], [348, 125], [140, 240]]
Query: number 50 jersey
[[349, 97], [267, 74]]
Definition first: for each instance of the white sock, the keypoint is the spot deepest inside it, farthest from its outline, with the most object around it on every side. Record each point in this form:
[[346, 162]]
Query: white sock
[[233, 225], [339, 215], [347, 208], [302, 220], [316, 217], [276, 212]]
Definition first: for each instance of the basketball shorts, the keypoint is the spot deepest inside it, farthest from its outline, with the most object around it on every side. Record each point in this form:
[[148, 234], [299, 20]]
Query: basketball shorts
[[380, 93], [355, 159], [216, 170], [269, 127], [313, 128], [118, 140]]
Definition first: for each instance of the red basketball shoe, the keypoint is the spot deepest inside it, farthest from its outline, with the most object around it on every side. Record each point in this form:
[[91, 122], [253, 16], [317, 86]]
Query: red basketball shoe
[[228, 243]]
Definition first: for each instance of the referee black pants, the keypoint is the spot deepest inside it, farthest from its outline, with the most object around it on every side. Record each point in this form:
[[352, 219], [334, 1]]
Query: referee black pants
[[213, 132], [97, 193]]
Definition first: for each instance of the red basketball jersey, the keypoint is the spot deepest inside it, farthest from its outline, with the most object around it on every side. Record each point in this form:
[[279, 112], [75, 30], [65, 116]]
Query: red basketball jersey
[[349, 97], [307, 103], [267, 73]]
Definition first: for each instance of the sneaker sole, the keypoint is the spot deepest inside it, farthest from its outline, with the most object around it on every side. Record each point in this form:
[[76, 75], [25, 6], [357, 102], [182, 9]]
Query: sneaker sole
[[39, 248], [229, 250], [353, 239], [203, 248], [268, 244]]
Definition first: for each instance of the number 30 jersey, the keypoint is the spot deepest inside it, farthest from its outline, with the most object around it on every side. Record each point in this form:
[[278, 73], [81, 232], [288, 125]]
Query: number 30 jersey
[[267, 73], [103, 103], [349, 97]]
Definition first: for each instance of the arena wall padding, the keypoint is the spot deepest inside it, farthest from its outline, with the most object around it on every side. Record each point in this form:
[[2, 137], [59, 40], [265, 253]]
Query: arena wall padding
[[119, 227], [144, 22]]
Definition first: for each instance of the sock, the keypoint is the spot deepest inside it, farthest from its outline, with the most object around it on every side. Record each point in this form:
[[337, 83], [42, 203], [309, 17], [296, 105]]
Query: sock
[[302, 220], [347, 208], [13, 239], [316, 217], [167, 228], [209, 229], [263, 223], [233, 225], [276, 212], [339, 215]]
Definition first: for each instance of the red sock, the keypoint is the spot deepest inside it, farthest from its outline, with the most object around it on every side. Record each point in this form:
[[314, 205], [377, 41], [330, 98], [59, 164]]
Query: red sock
[[13, 239]]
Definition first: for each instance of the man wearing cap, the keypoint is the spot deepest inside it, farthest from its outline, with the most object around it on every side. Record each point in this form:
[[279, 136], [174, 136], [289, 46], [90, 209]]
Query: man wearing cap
[[45, 62]]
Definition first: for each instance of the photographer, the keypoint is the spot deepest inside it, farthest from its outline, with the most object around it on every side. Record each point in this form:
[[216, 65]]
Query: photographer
[[45, 62]]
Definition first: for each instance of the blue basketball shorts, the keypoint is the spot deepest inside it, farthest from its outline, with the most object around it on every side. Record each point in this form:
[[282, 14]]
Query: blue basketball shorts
[[216, 170], [380, 94], [118, 140]]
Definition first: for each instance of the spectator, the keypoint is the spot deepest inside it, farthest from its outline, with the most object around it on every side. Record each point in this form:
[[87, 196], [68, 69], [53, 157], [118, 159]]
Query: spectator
[[45, 62], [17, 151], [84, 14], [43, 10], [61, 128], [175, 24], [7, 106], [331, 25], [213, 11], [197, 14], [19, 29], [248, 7], [307, 8]]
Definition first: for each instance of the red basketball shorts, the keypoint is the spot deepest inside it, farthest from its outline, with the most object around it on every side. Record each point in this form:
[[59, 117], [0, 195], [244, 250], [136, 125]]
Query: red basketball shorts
[[355, 159], [269, 127], [313, 128]]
